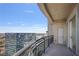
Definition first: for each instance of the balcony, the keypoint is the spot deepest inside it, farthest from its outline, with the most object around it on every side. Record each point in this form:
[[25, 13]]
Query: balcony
[[63, 33]]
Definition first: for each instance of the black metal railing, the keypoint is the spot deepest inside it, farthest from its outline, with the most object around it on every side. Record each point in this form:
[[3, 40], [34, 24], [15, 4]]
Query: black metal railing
[[36, 48]]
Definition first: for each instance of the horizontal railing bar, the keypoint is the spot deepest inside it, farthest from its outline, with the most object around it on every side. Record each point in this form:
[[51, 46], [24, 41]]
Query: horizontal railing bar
[[37, 44], [22, 50]]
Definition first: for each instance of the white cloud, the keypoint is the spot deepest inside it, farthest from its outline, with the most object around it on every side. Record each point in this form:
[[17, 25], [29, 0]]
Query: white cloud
[[28, 11], [22, 24], [36, 28], [23, 29], [9, 23]]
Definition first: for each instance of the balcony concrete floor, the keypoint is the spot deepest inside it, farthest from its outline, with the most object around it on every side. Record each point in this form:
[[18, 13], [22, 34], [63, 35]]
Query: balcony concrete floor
[[58, 50]]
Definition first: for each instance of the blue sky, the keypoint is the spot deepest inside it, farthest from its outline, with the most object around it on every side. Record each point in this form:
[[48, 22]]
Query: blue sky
[[16, 17]]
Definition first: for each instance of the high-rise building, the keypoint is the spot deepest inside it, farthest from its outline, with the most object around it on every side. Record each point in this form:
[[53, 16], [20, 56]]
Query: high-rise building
[[16, 41], [20, 41], [29, 38], [2, 44], [39, 35], [10, 43]]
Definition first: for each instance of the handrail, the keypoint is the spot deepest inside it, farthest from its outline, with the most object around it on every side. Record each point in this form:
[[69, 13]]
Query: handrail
[[20, 51], [34, 45]]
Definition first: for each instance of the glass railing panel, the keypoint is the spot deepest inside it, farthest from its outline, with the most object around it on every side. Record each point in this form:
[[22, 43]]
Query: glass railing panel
[[35, 50], [40, 49], [46, 44]]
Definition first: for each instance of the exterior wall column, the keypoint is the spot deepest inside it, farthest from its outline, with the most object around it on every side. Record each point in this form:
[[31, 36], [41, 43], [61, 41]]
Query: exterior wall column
[[77, 30], [50, 28]]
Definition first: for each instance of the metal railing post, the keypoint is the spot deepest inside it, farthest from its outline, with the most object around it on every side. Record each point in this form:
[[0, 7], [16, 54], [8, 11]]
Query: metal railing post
[[44, 45], [48, 41]]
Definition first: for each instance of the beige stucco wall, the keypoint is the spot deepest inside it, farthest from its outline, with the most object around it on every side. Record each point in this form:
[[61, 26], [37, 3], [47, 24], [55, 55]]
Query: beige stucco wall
[[50, 28], [73, 13], [77, 30], [70, 18], [53, 29], [56, 26], [65, 33]]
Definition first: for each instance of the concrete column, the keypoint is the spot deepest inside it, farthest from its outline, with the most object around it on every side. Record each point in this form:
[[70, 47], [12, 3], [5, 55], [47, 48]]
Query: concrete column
[[50, 28], [77, 30], [68, 36]]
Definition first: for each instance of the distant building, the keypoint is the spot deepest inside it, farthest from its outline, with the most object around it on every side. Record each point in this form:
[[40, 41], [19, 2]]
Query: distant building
[[10, 43], [2, 44], [20, 39], [39, 35], [29, 37], [46, 33], [16, 41]]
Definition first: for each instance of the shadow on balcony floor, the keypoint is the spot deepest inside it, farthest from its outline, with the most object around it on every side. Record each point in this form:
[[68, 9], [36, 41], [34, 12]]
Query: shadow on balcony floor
[[58, 50]]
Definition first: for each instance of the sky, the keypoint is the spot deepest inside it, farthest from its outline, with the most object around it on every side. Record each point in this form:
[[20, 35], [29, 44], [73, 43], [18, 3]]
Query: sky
[[19, 17]]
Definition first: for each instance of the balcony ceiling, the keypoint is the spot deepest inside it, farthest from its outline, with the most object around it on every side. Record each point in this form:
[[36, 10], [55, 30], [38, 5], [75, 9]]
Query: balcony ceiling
[[59, 11]]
